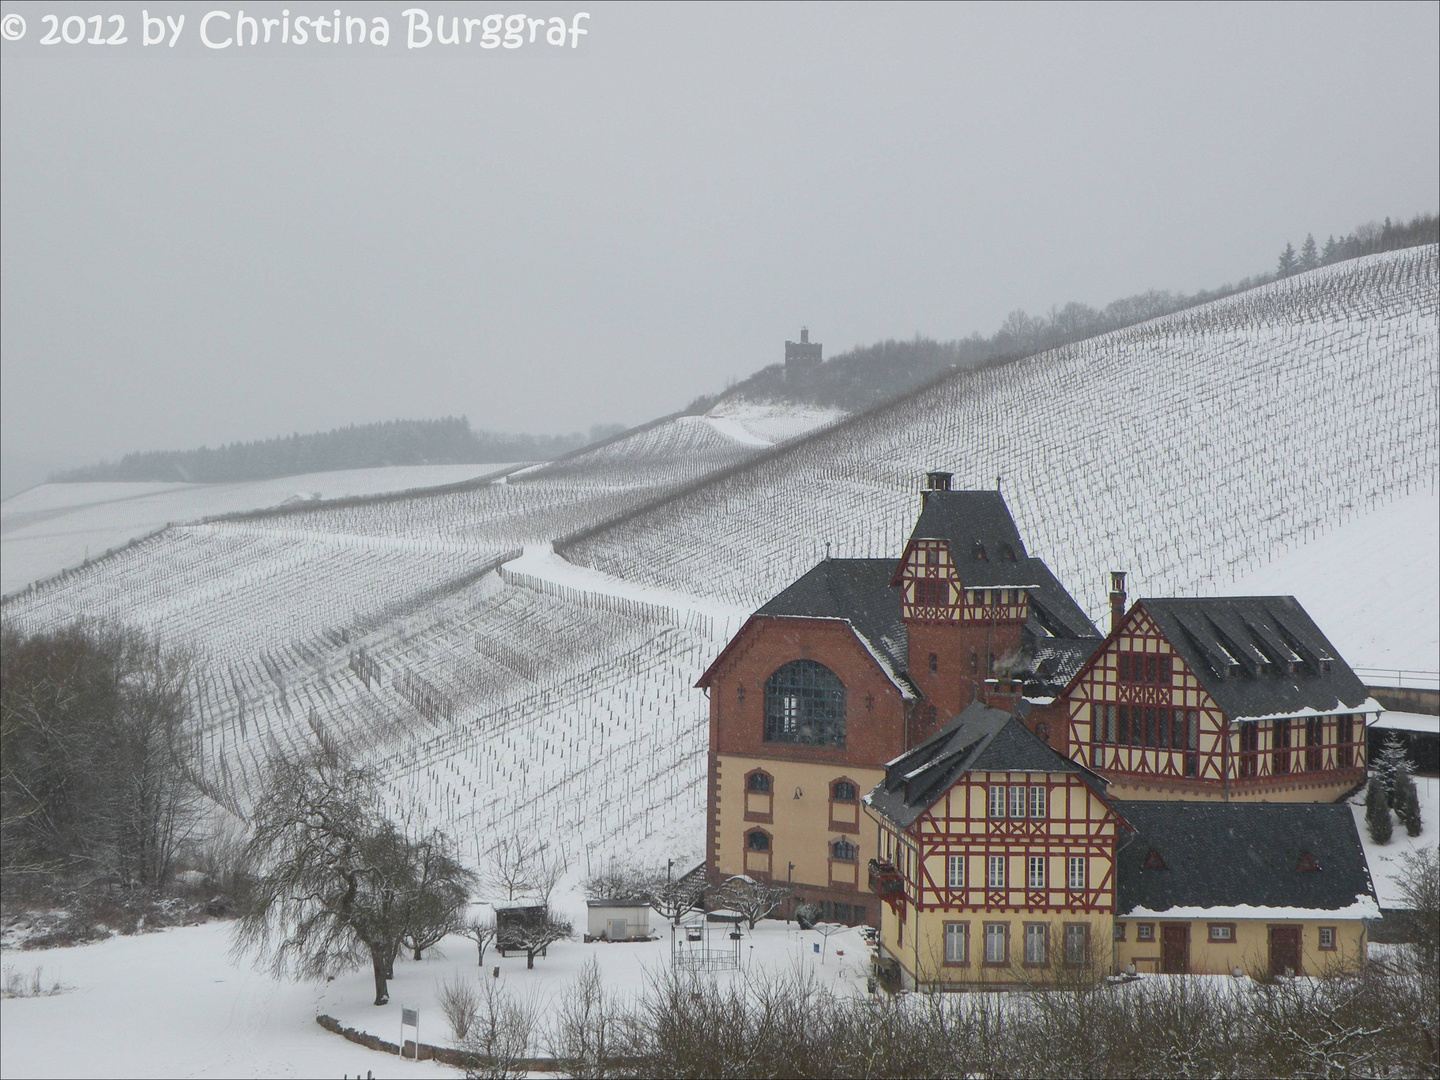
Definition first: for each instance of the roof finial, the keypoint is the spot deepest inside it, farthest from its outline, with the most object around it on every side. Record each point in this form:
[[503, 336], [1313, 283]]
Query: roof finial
[[997, 481], [827, 549]]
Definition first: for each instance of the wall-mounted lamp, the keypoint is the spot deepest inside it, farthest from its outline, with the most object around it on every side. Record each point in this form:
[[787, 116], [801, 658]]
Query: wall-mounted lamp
[[798, 792]]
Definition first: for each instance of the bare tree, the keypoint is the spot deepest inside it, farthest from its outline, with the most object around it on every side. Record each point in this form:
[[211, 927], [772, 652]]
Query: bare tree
[[752, 899], [519, 866], [509, 865], [335, 881], [482, 933], [585, 1032], [96, 753], [435, 896], [674, 896], [499, 1036], [531, 931]]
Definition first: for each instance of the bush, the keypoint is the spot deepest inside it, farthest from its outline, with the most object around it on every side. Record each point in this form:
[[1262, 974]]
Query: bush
[[1377, 812], [460, 1002]]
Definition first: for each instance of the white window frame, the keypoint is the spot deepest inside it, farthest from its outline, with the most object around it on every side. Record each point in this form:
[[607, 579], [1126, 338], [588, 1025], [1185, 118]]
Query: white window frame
[[1077, 942], [1017, 801], [1038, 801], [1037, 941], [1079, 872], [955, 871], [996, 941], [1035, 875], [997, 800], [994, 863], [957, 943]]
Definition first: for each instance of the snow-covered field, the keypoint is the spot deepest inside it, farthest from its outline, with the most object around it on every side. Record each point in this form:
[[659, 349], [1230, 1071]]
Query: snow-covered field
[[174, 1004], [54, 526], [1384, 616]]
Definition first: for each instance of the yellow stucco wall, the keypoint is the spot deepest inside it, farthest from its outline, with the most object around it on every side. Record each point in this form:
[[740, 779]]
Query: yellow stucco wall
[[921, 954], [1250, 949], [800, 828]]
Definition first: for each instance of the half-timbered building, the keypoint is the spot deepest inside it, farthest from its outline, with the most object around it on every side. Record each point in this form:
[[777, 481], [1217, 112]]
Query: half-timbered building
[[855, 663], [1227, 698], [995, 857]]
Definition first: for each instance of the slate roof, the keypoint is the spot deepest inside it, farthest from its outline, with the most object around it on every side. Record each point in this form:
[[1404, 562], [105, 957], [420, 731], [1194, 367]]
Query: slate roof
[[856, 590], [1219, 855], [1258, 655], [972, 521], [979, 739]]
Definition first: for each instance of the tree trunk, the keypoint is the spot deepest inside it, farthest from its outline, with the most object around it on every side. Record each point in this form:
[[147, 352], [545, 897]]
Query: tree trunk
[[529, 958], [377, 963], [417, 954]]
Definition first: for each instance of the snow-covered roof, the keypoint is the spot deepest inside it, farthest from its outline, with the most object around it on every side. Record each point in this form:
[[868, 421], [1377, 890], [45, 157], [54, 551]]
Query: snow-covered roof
[[1209, 857], [1259, 657]]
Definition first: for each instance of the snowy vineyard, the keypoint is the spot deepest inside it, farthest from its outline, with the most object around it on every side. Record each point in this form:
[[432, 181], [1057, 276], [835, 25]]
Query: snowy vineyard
[[500, 709], [1186, 450], [504, 702]]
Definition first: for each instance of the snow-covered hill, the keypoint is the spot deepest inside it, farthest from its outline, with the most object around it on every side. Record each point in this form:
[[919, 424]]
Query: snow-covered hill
[[1373, 583], [550, 695], [54, 526], [1187, 450]]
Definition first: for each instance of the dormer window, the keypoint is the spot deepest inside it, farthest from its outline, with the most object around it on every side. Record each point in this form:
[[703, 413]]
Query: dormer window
[[1153, 861], [978, 552], [1307, 862], [1325, 667], [1007, 552]]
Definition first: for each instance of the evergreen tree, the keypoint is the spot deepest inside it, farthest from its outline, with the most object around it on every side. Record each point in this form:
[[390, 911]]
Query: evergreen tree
[[1409, 809], [1377, 812], [1289, 261], [1389, 763], [1309, 257], [1331, 253]]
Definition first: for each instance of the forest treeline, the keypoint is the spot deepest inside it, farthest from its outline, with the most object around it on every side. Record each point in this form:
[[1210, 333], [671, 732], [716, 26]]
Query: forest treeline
[[869, 375], [447, 441]]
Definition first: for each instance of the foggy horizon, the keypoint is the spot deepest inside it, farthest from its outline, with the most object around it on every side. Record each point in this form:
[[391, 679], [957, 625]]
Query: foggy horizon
[[205, 247]]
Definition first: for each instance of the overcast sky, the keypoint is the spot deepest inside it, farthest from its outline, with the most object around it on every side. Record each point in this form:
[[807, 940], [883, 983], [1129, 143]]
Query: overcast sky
[[206, 245]]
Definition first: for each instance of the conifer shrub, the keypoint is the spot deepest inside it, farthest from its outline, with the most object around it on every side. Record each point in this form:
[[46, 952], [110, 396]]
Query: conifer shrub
[[1377, 812]]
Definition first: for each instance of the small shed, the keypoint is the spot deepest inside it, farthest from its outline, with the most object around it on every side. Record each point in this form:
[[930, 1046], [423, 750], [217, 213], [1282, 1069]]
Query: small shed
[[513, 919], [618, 920]]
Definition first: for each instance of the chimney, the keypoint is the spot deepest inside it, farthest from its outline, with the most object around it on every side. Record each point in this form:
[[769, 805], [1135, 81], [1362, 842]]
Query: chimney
[[937, 481], [1117, 599]]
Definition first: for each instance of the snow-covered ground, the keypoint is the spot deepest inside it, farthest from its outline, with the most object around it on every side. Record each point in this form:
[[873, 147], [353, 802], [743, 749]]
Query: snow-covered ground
[[1386, 615], [767, 423], [1385, 861], [175, 1004], [53, 526]]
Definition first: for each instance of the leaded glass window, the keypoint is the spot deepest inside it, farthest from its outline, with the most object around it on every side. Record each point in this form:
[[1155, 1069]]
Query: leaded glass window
[[805, 703]]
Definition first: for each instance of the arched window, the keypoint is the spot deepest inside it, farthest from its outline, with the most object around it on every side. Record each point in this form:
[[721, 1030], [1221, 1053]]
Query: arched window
[[757, 840], [805, 703], [844, 850], [759, 783], [843, 791]]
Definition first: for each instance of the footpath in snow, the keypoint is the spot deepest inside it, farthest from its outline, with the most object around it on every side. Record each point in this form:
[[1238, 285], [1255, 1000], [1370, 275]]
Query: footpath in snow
[[541, 561]]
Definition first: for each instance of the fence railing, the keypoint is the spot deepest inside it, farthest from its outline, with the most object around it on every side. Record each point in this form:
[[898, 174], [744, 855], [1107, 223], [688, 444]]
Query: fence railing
[[1399, 678]]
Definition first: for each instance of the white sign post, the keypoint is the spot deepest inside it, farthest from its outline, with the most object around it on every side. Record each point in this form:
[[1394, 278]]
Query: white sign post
[[409, 1018]]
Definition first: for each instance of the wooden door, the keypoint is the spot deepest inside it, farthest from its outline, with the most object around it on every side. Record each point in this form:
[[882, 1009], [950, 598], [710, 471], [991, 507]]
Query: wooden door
[[1285, 950], [1175, 949]]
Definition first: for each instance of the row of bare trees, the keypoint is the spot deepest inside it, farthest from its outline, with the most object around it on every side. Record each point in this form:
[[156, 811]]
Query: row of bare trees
[[1380, 1020], [95, 756]]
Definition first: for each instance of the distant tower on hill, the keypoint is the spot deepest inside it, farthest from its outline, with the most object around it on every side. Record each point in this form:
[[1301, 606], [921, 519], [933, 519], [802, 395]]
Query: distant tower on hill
[[801, 356]]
